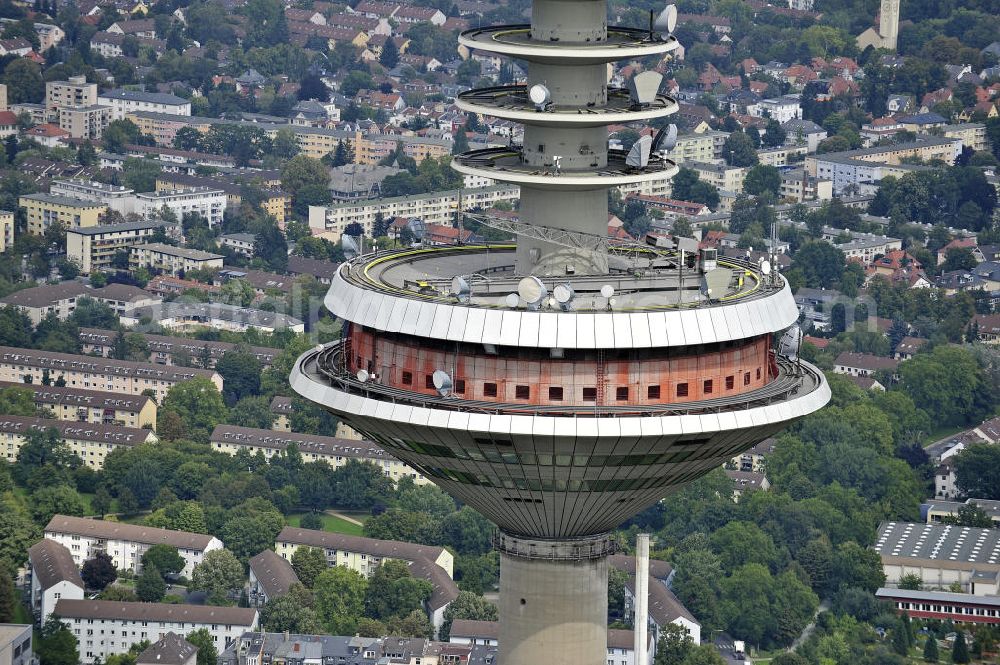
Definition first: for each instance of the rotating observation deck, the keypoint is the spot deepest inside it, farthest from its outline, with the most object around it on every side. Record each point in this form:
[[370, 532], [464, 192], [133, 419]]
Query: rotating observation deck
[[531, 44], [511, 102]]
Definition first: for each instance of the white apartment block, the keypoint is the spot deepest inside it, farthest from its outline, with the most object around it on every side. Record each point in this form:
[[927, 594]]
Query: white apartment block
[[103, 627], [126, 543], [781, 109], [85, 122], [91, 442], [432, 208], [231, 439], [720, 176], [173, 260], [115, 197], [106, 374], [205, 201], [129, 101], [93, 248], [74, 92], [92, 406], [52, 575]]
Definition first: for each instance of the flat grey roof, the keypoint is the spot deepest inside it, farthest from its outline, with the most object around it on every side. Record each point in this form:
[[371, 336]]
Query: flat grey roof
[[183, 252], [939, 542]]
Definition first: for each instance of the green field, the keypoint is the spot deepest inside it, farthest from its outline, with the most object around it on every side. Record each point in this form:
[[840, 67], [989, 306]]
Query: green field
[[330, 523]]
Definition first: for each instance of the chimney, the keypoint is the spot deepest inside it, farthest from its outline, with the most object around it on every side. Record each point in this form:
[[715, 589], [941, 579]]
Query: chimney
[[641, 611], [286, 635]]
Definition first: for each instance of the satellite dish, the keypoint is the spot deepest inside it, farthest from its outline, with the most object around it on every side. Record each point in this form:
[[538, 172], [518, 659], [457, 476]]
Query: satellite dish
[[667, 20], [563, 293], [790, 343], [765, 267], [638, 156], [607, 290], [350, 245], [442, 382], [512, 300], [643, 87], [363, 375], [539, 96], [532, 290], [715, 283], [461, 289], [670, 142]]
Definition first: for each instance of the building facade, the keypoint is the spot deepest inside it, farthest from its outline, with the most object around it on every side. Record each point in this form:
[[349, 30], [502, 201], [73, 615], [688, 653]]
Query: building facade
[[91, 442], [159, 257], [92, 406], [43, 210], [93, 249]]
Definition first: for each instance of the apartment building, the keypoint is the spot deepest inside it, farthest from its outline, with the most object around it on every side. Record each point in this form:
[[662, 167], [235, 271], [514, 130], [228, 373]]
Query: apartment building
[[175, 261], [103, 628], [781, 155], [274, 202], [115, 197], [781, 109], [93, 248], [208, 202], [84, 122], [231, 439], [281, 409], [971, 134], [798, 186], [89, 441], [6, 230], [61, 299], [124, 102], [126, 543], [165, 350], [703, 147], [188, 316], [432, 208], [118, 376], [73, 92], [358, 553], [925, 148], [720, 176], [91, 406], [52, 574], [15, 644], [375, 147], [270, 577], [43, 210]]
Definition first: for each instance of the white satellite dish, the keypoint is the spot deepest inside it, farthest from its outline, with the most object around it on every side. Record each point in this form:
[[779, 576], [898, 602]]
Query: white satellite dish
[[512, 300], [643, 87], [790, 343], [539, 96], [638, 156], [442, 382], [765, 267], [667, 20], [670, 142], [607, 291], [532, 290], [461, 289], [563, 293], [363, 375]]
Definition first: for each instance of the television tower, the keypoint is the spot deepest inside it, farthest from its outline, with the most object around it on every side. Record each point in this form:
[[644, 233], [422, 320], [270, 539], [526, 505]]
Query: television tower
[[562, 384]]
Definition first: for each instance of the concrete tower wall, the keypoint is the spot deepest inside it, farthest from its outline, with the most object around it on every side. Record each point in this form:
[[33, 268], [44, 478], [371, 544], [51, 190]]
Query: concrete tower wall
[[889, 24]]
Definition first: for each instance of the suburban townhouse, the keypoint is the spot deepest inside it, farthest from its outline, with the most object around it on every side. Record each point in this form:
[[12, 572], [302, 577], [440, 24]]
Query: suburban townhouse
[[103, 628], [126, 543], [91, 406], [120, 376], [231, 439], [91, 442]]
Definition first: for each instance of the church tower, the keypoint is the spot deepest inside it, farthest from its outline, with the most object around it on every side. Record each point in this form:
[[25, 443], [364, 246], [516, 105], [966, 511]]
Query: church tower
[[888, 26]]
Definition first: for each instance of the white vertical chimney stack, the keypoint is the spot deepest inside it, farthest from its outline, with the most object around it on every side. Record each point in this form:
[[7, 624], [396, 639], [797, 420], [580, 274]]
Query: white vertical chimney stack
[[641, 614]]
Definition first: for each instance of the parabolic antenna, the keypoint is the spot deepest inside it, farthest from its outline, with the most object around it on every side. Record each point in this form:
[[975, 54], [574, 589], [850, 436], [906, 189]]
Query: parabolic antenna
[[667, 20], [539, 96], [790, 343], [607, 290], [765, 267], [461, 289], [512, 300], [642, 87], [363, 375], [638, 156], [563, 293], [532, 290], [442, 382]]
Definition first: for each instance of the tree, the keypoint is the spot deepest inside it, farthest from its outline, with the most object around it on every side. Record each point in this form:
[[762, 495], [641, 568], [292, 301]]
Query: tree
[[467, 606], [56, 500], [308, 563], [202, 639], [931, 649], [960, 650], [312, 87], [99, 572], [23, 78], [301, 171], [220, 574], [17, 534], [56, 644], [271, 247], [789, 658], [761, 180], [911, 582], [821, 263], [293, 612], [674, 645], [948, 384], [393, 592], [44, 458], [774, 134], [341, 598], [390, 54], [900, 641], [240, 370], [8, 598], [738, 150], [704, 654], [164, 558], [150, 586], [311, 521], [198, 404]]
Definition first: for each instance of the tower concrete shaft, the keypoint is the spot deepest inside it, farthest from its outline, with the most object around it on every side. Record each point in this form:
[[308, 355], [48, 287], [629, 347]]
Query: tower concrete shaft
[[888, 26]]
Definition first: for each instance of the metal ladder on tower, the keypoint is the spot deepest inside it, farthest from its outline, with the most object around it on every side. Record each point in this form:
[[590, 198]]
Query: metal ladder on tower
[[599, 401]]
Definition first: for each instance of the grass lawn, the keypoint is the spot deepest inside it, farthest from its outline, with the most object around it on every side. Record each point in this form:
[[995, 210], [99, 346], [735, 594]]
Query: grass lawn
[[942, 432], [330, 523], [359, 515]]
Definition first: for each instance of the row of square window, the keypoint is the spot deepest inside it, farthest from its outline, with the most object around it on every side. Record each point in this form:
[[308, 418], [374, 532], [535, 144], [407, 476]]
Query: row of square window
[[590, 393]]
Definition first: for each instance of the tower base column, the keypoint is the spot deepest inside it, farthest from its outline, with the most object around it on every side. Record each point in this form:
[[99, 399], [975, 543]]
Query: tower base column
[[553, 600]]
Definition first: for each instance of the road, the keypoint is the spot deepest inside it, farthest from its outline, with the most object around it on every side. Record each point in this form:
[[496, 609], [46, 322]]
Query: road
[[808, 630]]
